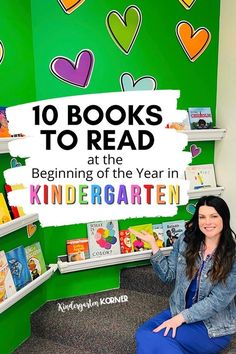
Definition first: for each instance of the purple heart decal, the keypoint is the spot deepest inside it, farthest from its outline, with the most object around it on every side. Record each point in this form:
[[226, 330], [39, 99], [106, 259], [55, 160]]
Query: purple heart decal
[[76, 73], [195, 151]]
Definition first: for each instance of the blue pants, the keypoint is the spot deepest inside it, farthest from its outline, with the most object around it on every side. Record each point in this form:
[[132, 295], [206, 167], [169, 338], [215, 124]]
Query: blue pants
[[190, 338]]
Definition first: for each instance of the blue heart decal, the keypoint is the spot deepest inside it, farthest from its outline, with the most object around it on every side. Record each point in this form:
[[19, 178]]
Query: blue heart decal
[[144, 83], [191, 208], [14, 163]]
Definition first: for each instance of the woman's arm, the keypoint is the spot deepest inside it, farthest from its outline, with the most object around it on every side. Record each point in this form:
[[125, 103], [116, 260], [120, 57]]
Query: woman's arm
[[218, 299], [165, 267]]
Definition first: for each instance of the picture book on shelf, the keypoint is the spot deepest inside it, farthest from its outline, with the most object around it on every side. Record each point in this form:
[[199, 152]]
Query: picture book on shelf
[[19, 268], [138, 244], [35, 260], [172, 230], [103, 238], [77, 249], [4, 212], [4, 132], [157, 230], [200, 118], [201, 176], [125, 242], [7, 286], [16, 211]]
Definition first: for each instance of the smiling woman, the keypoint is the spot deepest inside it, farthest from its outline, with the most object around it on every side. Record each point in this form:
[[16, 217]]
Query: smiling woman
[[202, 314]]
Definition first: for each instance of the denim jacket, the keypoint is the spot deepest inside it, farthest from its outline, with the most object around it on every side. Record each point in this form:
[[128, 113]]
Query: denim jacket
[[215, 305]]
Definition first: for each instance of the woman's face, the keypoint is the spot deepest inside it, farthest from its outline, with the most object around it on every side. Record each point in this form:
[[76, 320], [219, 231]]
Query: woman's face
[[210, 222]]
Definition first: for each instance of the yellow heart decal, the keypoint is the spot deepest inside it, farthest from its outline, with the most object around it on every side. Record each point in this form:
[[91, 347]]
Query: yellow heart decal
[[1, 52], [70, 5], [193, 42], [187, 3], [31, 229]]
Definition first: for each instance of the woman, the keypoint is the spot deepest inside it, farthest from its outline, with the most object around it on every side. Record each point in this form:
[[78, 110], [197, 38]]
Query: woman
[[202, 313]]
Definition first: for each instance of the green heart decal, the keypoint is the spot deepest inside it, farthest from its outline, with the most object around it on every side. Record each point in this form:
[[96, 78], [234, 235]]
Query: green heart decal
[[124, 29]]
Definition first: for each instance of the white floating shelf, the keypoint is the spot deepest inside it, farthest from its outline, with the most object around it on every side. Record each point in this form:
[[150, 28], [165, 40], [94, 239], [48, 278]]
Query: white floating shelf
[[68, 267], [204, 134], [207, 191], [17, 223], [28, 288], [4, 144]]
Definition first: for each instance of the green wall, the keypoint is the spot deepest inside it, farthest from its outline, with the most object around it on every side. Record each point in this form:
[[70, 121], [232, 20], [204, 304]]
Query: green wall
[[17, 69], [33, 34]]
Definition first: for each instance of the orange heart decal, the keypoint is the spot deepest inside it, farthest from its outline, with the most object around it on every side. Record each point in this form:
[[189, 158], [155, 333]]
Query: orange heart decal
[[1, 52], [31, 229], [187, 3], [193, 42], [70, 5]]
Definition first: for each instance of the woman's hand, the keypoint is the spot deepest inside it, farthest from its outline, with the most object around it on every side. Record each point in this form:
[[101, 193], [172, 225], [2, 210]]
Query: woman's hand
[[146, 237], [173, 323]]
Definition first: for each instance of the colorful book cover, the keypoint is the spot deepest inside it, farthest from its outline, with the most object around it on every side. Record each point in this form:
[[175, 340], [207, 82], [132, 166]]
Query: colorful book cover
[[125, 242], [138, 244], [157, 230], [200, 118], [4, 212], [103, 238], [4, 132], [7, 286], [35, 260], [172, 230], [201, 176], [77, 249], [19, 267]]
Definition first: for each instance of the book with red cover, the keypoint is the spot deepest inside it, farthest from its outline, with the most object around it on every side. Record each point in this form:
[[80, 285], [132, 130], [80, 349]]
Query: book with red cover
[[16, 211], [125, 242]]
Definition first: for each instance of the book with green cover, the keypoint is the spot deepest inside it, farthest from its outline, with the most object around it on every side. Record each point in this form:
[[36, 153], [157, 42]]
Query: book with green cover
[[137, 244], [35, 260]]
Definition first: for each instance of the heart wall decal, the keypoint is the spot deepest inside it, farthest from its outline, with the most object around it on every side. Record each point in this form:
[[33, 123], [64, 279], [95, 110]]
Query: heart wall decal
[[2, 52], [124, 29], [195, 150], [70, 5], [76, 73], [191, 208], [187, 3], [14, 163], [144, 83], [194, 43], [31, 229]]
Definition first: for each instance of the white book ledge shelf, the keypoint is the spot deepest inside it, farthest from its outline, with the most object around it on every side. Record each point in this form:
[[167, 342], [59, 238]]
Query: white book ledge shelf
[[28, 288], [68, 267], [204, 134], [4, 144], [208, 191], [17, 223]]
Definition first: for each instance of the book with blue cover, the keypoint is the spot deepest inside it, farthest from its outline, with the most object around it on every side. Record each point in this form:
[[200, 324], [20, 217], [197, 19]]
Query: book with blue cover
[[172, 230], [19, 268]]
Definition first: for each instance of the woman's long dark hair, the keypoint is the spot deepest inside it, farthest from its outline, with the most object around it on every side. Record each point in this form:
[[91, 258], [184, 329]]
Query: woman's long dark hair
[[224, 254]]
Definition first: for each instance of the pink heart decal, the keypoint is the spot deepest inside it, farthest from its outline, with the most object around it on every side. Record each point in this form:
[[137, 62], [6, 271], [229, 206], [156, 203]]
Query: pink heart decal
[[195, 151], [76, 73]]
